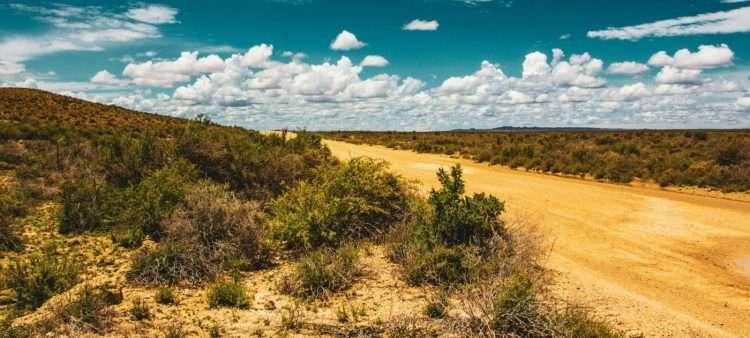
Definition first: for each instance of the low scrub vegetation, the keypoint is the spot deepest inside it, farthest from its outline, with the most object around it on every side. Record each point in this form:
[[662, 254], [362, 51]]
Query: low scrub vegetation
[[196, 202], [229, 294], [322, 272], [713, 159], [450, 238], [38, 278], [356, 200], [211, 228]]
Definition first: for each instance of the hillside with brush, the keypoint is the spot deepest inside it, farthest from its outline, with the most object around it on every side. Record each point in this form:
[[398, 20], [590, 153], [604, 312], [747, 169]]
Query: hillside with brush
[[120, 223]]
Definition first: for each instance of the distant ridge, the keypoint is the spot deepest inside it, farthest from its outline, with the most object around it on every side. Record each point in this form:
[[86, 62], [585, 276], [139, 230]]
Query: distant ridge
[[512, 129]]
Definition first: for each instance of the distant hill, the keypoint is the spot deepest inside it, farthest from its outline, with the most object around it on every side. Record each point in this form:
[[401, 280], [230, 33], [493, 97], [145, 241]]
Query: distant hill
[[515, 129], [48, 110]]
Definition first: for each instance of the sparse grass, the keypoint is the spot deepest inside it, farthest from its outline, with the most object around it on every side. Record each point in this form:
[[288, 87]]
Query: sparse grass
[[229, 294], [175, 330], [323, 271]]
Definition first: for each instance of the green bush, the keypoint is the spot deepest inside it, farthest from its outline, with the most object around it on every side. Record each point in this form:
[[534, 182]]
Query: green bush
[[208, 231], [228, 294], [12, 206], [442, 265], [37, 279], [450, 238], [158, 195], [323, 271], [88, 204], [166, 296], [460, 220], [358, 199]]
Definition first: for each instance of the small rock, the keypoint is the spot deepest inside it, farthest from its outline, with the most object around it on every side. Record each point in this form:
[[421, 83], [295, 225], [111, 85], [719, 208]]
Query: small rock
[[269, 305]]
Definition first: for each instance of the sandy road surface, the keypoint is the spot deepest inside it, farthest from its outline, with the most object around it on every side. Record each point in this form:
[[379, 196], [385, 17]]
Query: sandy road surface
[[661, 263]]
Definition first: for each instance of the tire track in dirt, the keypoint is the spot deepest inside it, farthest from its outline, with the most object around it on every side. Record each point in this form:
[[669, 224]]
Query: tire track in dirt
[[655, 262]]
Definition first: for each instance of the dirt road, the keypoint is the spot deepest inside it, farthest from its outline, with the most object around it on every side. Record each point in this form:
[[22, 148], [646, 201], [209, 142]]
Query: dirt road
[[659, 263]]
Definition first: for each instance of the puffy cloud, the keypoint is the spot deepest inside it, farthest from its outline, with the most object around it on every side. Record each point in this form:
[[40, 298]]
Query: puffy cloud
[[743, 102], [153, 14], [488, 75], [674, 75], [707, 56], [106, 78], [167, 73], [627, 68], [580, 70], [346, 41], [535, 65], [257, 56], [733, 21], [374, 61], [421, 25]]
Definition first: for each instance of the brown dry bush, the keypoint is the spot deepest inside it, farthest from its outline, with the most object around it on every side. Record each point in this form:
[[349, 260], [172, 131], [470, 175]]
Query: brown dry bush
[[212, 230]]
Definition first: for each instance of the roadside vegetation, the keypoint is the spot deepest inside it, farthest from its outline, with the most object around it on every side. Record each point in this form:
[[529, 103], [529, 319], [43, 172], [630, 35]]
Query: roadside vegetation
[[703, 158], [152, 215]]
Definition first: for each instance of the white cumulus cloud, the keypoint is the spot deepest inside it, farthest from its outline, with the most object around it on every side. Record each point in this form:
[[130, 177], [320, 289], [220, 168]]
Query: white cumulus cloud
[[346, 41], [707, 56], [374, 61], [673, 75]]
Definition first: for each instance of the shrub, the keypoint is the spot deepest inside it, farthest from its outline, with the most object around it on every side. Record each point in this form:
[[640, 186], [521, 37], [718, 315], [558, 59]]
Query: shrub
[[39, 278], [158, 195], [132, 238], [140, 310], [355, 200], [437, 307], [323, 271], [450, 238], [90, 306], [166, 296], [210, 229], [228, 294], [88, 203], [175, 331], [12, 205]]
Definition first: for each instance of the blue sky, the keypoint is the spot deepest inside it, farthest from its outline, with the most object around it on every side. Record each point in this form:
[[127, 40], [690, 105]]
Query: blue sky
[[405, 65]]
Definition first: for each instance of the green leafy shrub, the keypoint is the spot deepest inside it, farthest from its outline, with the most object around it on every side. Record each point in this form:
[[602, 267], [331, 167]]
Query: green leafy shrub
[[323, 271], [12, 206], [211, 228], [228, 294], [450, 238], [88, 204], [37, 279], [355, 200], [158, 195], [166, 296]]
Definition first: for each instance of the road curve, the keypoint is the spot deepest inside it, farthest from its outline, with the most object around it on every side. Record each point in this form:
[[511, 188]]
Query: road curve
[[655, 262]]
